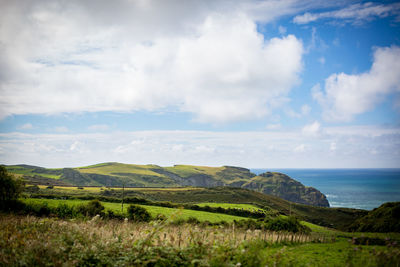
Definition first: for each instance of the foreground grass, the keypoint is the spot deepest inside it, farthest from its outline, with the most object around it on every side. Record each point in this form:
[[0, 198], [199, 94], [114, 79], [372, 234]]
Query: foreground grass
[[31, 241], [153, 210]]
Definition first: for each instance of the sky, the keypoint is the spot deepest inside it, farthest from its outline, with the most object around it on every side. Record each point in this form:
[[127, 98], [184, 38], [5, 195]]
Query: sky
[[257, 84]]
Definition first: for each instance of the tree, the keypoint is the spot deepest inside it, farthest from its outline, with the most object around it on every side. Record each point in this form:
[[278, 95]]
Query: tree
[[10, 188], [139, 214]]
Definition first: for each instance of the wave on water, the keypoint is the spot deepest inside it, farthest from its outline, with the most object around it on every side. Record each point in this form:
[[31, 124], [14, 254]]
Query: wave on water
[[331, 196], [350, 188]]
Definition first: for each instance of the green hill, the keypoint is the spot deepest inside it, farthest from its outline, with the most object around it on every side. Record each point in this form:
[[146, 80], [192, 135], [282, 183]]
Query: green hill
[[338, 218], [130, 175], [385, 218]]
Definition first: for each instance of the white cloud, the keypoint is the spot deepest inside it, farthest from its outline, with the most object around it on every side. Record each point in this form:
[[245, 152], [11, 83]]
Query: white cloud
[[321, 60], [332, 146], [274, 126], [26, 126], [313, 129], [98, 127], [74, 146], [305, 109], [282, 30], [61, 129], [356, 13], [300, 148], [153, 55], [247, 149], [345, 96]]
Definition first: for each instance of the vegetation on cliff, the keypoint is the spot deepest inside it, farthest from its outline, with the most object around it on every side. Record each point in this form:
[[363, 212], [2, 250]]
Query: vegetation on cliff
[[130, 175], [384, 219]]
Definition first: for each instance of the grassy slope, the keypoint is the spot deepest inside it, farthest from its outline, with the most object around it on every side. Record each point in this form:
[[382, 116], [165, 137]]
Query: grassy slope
[[20, 170], [114, 168], [153, 210], [188, 170], [229, 206], [338, 218]]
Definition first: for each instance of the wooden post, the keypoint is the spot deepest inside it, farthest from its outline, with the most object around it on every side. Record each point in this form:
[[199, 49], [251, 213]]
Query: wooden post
[[122, 205]]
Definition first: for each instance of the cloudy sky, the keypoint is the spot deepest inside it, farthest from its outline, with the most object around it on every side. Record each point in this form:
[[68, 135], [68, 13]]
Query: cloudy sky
[[280, 84]]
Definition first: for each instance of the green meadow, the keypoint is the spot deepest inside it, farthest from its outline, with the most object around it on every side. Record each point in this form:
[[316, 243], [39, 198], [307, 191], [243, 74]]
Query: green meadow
[[153, 210]]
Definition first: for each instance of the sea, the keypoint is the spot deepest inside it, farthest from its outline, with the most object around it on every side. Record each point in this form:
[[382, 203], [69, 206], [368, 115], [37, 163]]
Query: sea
[[350, 188]]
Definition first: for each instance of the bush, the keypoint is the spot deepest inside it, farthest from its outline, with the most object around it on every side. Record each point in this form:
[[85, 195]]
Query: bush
[[160, 217], [289, 224], [91, 209], [65, 211], [193, 220], [38, 209], [10, 189], [112, 215], [139, 214]]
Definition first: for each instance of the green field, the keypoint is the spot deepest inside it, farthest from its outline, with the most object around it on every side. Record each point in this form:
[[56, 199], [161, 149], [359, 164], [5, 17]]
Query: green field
[[20, 171], [153, 210], [230, 206], [116, 168]]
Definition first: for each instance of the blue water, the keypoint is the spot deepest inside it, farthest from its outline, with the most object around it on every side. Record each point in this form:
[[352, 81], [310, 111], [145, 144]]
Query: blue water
[[351, 188]]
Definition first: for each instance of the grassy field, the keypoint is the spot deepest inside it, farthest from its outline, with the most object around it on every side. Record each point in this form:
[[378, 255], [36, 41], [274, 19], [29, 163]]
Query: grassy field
[[187, 170], [31, 241], [114, 168], [230, 206], [98, 189], [338, 218], [153, 210], [19, 171]]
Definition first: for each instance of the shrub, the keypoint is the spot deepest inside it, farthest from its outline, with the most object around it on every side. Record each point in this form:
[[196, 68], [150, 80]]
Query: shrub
[[193, 220], [91, 209], [32, 189], [65, 211], [139, 214], [10, 189], [112, 215], [160, 217], [38, 209], [289, 224]]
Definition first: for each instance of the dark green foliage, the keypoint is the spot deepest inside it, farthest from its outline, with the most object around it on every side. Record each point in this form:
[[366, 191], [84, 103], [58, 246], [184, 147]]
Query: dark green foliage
[[111, 215], [91, 209], [288, 224], [193, 220], [139, 214], [32, 189], [338, 218], [65, 211], [38, 209], [10, 189], [384, 219]]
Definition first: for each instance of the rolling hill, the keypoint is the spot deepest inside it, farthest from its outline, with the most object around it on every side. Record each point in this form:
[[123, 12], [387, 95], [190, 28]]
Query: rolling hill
[[130, 175]]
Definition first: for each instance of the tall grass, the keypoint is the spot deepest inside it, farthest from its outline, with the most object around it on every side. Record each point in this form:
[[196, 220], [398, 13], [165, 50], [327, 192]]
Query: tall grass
[[32, 241]]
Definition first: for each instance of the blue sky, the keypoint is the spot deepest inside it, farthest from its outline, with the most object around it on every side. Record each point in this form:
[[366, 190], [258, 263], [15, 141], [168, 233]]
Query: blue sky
[[280, 84]]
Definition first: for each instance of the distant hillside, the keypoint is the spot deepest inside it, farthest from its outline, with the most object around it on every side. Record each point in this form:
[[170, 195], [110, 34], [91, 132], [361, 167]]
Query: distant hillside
[[385, 218], [130, 175]]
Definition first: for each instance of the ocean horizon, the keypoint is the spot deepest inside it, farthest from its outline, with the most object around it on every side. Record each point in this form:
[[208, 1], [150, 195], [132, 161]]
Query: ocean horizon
[[349, 188]]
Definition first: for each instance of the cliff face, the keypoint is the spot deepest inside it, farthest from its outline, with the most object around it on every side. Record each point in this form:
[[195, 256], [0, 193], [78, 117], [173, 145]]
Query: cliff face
[[281, 185], [117, 174]]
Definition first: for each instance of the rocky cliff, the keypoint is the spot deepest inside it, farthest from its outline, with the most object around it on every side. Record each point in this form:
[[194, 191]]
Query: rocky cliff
[[281, 185], [130, 175]]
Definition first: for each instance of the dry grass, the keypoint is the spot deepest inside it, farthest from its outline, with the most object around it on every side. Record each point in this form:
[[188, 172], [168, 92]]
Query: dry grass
[[32, 241]]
